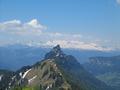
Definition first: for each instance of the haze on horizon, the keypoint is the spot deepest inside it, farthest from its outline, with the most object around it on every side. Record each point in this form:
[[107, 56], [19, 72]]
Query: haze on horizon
[[81, 24]]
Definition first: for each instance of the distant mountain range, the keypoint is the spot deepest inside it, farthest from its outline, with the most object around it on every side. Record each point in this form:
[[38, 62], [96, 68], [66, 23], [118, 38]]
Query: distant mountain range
[[106, 69], [56, 71], [13, 57]]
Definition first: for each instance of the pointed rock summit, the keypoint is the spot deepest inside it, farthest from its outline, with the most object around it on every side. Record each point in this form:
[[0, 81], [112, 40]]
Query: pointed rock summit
[[56, 49], [55, 52]]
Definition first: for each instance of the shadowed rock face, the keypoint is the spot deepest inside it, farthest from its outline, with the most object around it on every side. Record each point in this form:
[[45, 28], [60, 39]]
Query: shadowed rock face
[[5, 78], [55, 52]]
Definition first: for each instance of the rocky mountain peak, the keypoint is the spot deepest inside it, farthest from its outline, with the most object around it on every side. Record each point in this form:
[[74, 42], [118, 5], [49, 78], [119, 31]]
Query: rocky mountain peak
[[58, 71], [55, 52], [56, 49]]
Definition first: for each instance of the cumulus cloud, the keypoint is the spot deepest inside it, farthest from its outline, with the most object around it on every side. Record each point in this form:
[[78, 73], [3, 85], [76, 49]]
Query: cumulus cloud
[[17, 27], [33, 33], [35, 24]]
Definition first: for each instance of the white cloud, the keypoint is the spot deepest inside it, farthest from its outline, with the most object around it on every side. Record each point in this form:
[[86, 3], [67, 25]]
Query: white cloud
[[77, 45], [17, 27], [118, 1], [32, 33], [34, 23]]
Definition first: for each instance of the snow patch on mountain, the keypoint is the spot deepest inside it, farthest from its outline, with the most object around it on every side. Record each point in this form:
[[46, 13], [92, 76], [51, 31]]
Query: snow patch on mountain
[[1, 77], [26, 73], [30, 80]]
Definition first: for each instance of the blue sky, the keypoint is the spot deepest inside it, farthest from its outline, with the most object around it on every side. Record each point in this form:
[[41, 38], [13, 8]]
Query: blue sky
[[94, 21]]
